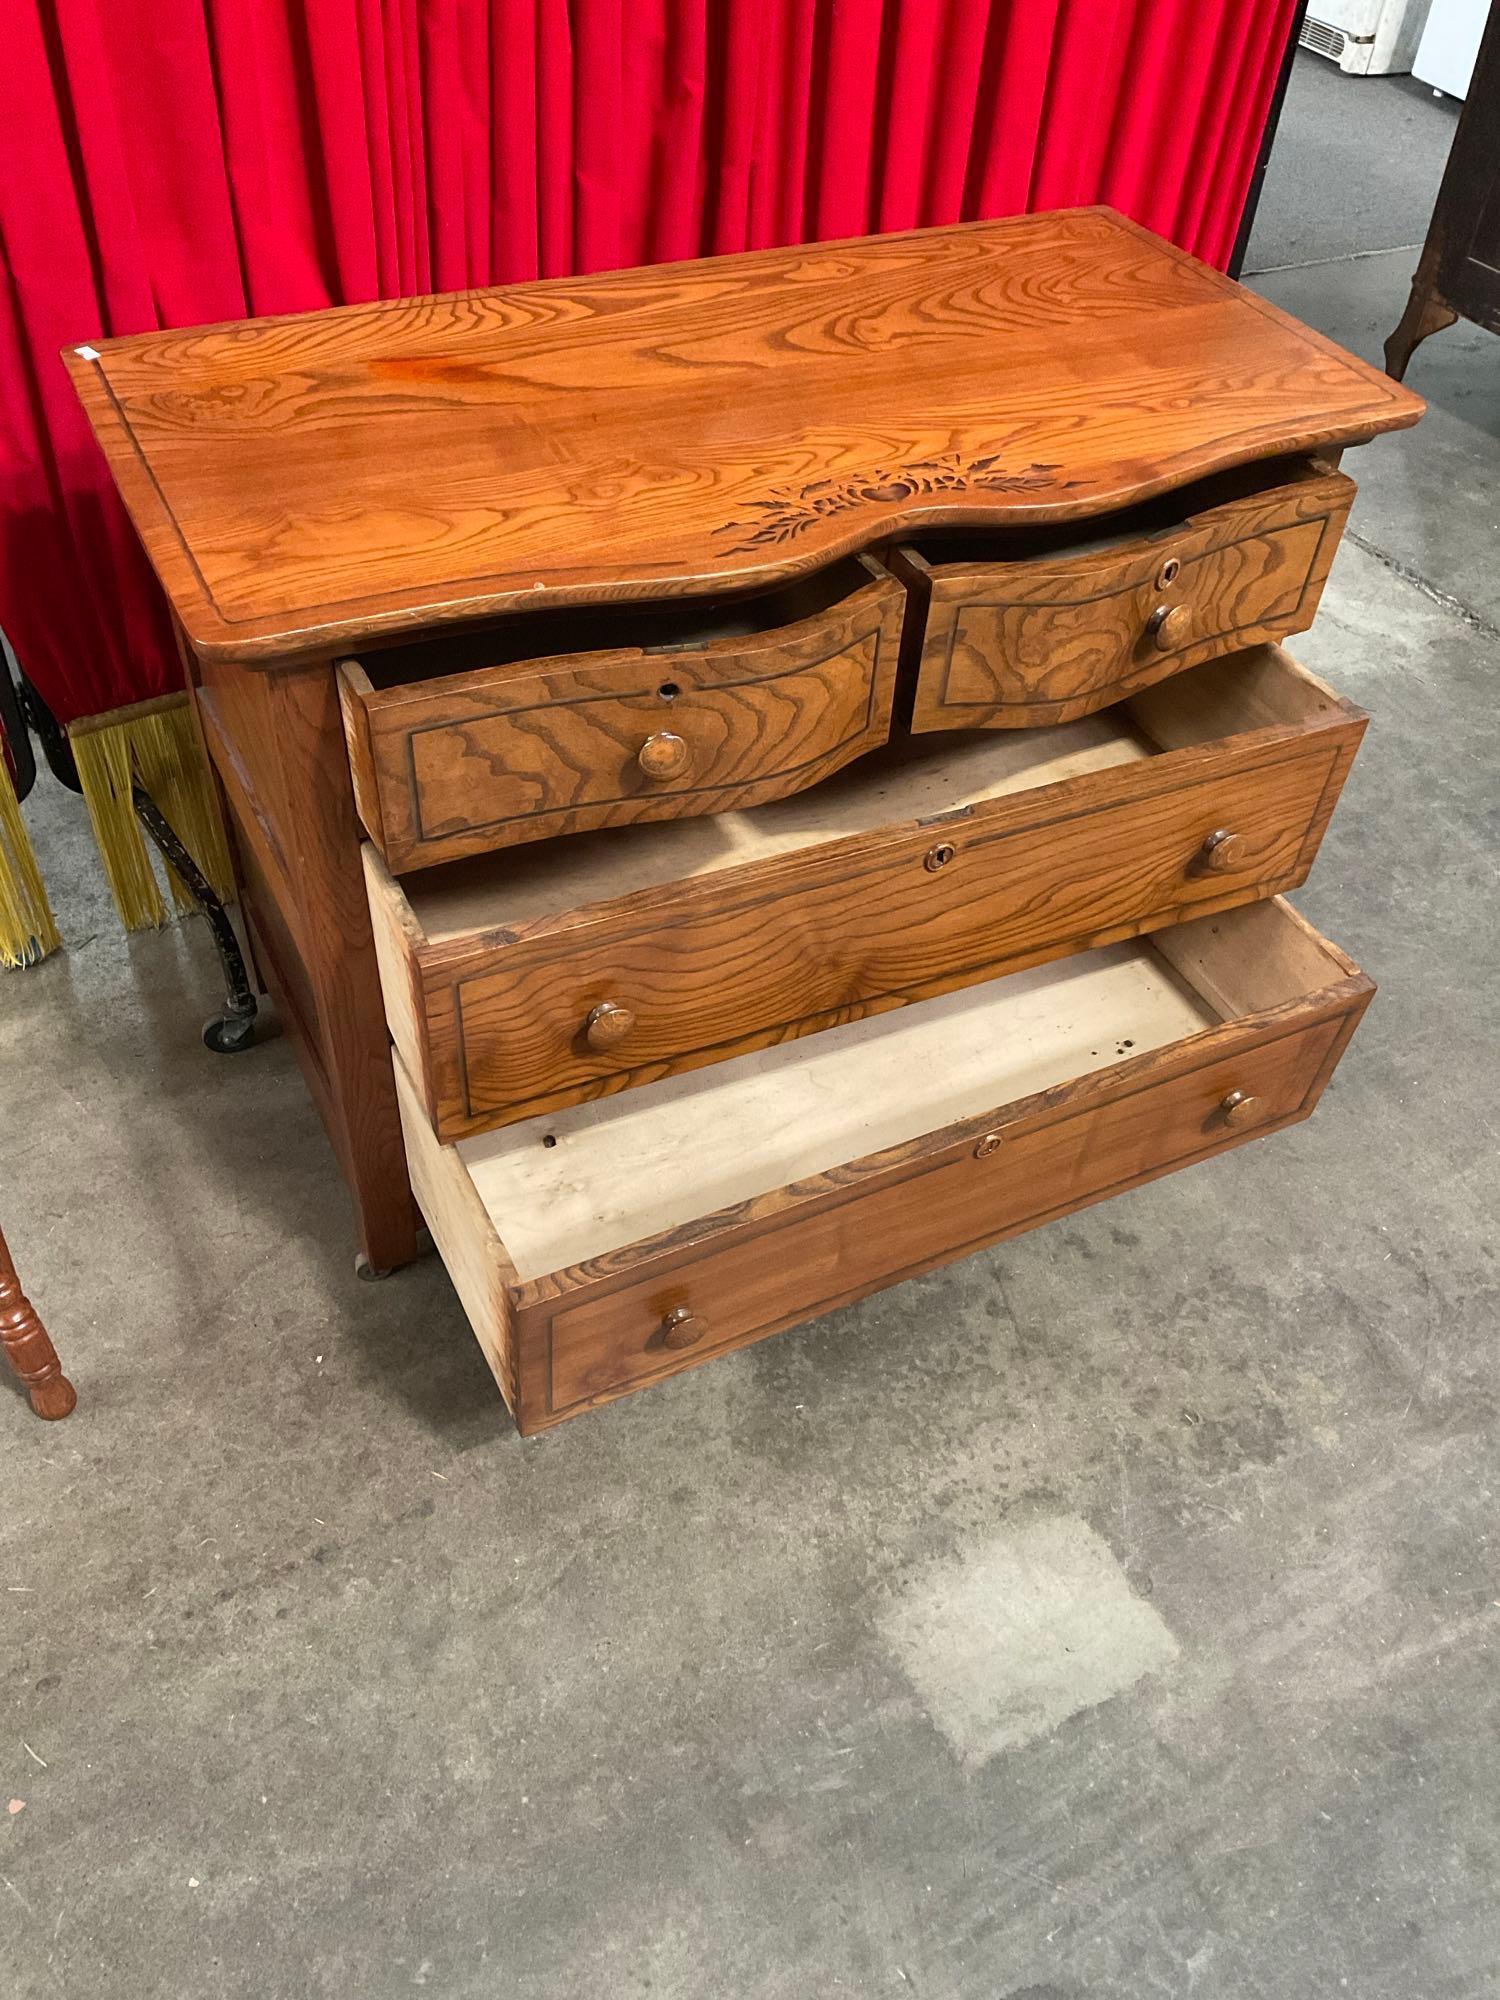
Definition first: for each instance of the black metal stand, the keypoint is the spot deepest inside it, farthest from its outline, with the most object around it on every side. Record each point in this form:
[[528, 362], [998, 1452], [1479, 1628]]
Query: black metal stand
[[14, 734], [1268, 140], [233, 1030]]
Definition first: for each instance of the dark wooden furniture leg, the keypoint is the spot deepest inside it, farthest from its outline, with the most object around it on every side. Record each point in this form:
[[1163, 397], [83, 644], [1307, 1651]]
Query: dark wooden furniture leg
[[1426, 312], [27, 1348], [1459, 269]]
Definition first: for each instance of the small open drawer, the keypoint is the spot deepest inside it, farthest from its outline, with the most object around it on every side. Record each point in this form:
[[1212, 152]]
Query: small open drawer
[[520, 983], [554, 723], [603, 1247], [1016, 630]]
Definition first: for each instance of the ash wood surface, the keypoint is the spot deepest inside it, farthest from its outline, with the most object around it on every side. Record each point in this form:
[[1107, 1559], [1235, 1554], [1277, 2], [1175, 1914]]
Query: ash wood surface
[[1009, 644], [883, 909], [514, 753], [886, 1148], [912, 778], [303, 485], [276, 742], [955, 1205], [28, 1349]]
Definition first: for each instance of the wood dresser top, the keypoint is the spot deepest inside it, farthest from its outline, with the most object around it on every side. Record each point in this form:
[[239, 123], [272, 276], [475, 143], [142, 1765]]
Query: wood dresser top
[[307, 483]]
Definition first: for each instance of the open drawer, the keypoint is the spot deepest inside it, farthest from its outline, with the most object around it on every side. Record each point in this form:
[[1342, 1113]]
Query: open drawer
[[551, 975], [550, 724], [1016, 634], [601, 1248]]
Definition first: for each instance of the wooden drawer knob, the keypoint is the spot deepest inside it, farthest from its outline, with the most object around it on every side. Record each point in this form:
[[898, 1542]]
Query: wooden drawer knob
[[1239, 1109], [681, 1329], [1169, 627], [1222, 850], [607, 1025], [662, 756]]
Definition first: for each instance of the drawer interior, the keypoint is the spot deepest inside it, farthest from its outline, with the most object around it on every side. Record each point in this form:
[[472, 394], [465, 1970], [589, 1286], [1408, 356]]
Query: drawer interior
[[916, 778], [1163, 515], [582, 1182], [656, 628]]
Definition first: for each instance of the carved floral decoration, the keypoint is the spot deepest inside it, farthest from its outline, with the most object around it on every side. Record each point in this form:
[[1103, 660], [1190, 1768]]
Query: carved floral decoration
[[792, 509]]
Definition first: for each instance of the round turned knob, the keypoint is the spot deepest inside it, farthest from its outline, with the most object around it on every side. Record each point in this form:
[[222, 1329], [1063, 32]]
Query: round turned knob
[[607, 1025], [1221, 850], [662, 756], [1169, 627], [1239, 1109], [680, 1328]]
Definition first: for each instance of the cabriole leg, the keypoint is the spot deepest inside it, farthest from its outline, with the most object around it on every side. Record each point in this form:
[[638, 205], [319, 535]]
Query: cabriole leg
[[1426, 312]]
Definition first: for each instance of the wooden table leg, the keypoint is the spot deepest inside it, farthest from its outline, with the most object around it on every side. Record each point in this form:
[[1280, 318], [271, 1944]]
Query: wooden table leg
[[27, 1348]]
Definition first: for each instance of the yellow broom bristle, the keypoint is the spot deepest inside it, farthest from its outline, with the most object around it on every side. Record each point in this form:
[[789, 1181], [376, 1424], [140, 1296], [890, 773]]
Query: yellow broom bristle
[[156, 744], [28, 930]]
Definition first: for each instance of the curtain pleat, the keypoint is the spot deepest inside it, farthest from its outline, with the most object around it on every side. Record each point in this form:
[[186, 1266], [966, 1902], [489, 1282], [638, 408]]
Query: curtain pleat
[[169, 162]]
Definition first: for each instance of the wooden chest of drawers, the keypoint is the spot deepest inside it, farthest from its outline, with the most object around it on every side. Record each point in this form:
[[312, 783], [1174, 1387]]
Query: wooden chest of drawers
[[816, 724]]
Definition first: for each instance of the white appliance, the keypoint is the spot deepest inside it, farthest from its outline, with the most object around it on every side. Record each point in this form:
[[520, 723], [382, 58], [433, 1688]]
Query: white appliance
[[1366, 37], [1449, 44]]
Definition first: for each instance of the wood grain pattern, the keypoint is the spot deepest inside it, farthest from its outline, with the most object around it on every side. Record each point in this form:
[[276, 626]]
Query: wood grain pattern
[[1013, 643], [277, 744], [587, 1332], [495, 1025], [929, 1212], [470, 762], [303, 485]]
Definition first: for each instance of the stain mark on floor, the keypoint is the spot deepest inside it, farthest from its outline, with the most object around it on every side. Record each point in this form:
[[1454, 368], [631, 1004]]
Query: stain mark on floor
[[1006, 1642]]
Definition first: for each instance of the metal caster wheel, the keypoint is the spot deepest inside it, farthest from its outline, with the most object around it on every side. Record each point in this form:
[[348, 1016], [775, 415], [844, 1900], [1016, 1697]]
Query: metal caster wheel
[[229, 1034], [368, 1273]]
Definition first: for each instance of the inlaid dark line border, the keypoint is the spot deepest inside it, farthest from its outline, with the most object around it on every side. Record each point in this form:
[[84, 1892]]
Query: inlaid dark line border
[[875, 631], [1348, 429], [1118, 687]]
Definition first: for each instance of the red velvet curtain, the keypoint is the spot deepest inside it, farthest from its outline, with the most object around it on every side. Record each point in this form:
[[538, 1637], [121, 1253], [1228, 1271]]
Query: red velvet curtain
[[174, 161]]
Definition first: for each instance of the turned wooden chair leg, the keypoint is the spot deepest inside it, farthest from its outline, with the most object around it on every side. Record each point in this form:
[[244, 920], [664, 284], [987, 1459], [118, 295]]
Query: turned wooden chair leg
[[27, 1348]]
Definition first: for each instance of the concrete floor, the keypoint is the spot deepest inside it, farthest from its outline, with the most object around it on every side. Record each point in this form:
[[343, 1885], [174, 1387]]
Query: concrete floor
[[1112, 1614], [1355, 167]]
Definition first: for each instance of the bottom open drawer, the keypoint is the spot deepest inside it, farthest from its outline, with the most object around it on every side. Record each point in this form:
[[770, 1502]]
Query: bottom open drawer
[[602, 1247]]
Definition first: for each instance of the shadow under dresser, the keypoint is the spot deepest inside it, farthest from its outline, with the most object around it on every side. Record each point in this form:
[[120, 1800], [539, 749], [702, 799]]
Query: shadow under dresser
[[755, 779]]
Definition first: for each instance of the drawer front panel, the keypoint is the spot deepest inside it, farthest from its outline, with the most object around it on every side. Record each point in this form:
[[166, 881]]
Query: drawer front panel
[[484, 761], [906, 1219], [1016, 644], [833, 934]]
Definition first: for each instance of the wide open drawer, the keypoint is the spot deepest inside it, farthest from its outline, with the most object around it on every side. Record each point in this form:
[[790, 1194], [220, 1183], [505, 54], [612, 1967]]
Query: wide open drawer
[[549, 725], [1013, 637], [539, 979], [601, 1248]]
